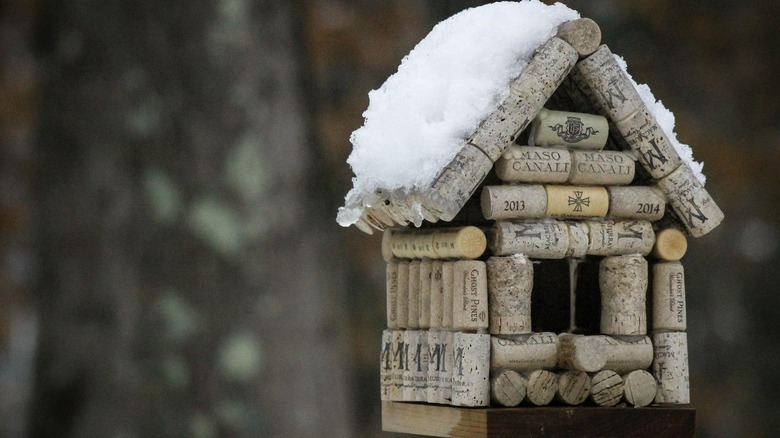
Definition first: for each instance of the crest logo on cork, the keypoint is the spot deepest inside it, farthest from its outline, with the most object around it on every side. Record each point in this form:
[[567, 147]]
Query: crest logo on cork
[[578, 201], [574, 130]]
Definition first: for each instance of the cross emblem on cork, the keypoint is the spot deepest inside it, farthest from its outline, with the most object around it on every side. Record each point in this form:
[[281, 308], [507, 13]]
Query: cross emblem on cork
[[578, 201]]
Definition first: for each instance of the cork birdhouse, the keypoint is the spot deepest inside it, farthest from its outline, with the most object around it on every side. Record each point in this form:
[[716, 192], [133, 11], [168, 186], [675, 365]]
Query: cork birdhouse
[[542, 266]]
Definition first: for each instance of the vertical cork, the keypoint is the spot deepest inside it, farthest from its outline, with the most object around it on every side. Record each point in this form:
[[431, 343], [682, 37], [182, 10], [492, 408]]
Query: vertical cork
[[470, 370], [670, 368], [542, 386], [448, 289], [402, 308], [570, 129], [507, 388], [470, 297], [696, 209], [426, 270], [606, 388], [413, 315], [386, 366], [576, 201], [579, 241], [387, 242], [608, 238], [669, 313], [623, 285], [510, 282], [416, 371], [529, 164], [601, 168], [636, 202], [543, 240], [399, 362], [639, 388], [670, 245], [392, 295], [524, 352], [580, 353], [513, 202], [436, 357], [573, 387], [445, 376], [583, 34], [410, 343], [437, 294]]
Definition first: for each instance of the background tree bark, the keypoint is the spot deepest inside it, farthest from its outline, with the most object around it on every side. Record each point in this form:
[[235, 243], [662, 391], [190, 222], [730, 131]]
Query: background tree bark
[[183, 287]]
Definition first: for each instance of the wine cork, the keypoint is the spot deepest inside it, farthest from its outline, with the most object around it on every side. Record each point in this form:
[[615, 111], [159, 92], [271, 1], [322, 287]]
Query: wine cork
[[531, 164], [639, 388], [573, 387], [579, 241], [583, 34], [470, 370], [669, 297], [623, 285], [690, 200], [363, 225], [392, 294], [437, 294], [455, 184], [655, 152], [606, 388], [542, 386], [601, 168], [436, 356], [524, 352], [416, 371], [580, 352], [510, 282], [570, 129], [636, 202], [386, 366], [609, 238], [426, 269], [628, 354], [410, 342], [576, 201], [399, 360], [459, 243], [507, 388], [670, 368], [470, 298], [513, 202], [379, 215], [543, 240], [670, 245], [445, 375], [387, 250], [413, 312], [402, 307], [448, 288]]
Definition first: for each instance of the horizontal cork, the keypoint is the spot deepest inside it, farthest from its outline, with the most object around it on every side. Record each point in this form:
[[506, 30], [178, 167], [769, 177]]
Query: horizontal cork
[[510, 283], [530, 164], [602, 168], [470, 296], [623, 284], [693, 205], [583, 34], [542, 386], [573, 387], [580, 353], [513, 202], [670, 368], [570, 129], [639, 388], [470, 370], [524, 352], [597, 352], [467, 242], [578, 240], [606, 388], [507, 388], [669, 313], [670, 245], [627, 354], [543, 240], [636, 202], [609, 238], [576, 201]]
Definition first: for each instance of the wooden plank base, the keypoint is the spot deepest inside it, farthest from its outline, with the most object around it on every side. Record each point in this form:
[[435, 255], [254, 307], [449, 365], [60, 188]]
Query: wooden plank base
[[530, 422]]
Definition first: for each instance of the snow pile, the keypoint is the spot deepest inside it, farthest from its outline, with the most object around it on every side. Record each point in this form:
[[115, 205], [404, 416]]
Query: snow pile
[[665, 119], [453, 79]]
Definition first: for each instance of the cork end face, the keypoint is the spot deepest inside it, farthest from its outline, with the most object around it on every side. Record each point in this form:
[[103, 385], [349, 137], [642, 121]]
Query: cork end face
[[583, 34], [472, 242], [670, 245]]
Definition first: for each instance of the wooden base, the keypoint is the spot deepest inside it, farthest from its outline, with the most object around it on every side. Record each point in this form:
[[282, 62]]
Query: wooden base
[[447, 421]]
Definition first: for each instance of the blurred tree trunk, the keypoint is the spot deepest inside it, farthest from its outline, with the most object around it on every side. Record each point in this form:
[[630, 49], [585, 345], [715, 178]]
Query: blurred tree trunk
[[183, 288]]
